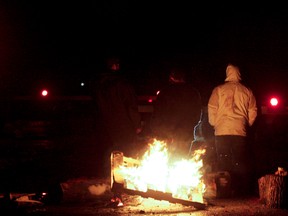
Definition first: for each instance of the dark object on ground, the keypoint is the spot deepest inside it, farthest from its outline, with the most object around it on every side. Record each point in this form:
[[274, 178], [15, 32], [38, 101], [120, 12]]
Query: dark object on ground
[[273, 191]]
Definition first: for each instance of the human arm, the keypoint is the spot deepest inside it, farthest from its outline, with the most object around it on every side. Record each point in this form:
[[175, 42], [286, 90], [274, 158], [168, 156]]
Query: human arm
[[129, 99], [213, 107], [252, 110]]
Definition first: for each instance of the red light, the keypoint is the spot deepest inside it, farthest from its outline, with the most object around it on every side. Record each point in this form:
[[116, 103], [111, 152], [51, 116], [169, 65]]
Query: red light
[[150, 100], [44, 93], [274, 101]]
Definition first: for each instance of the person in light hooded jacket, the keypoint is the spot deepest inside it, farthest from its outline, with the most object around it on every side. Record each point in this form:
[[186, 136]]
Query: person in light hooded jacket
[[232, 110]]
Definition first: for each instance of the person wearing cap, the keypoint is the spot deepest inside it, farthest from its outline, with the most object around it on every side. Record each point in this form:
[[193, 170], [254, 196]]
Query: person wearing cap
[[232, 110], [177, 111], [117, 109]]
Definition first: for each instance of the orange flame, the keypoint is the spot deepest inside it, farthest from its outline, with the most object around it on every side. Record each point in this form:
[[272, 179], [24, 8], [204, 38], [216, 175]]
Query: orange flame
[[183, 179]]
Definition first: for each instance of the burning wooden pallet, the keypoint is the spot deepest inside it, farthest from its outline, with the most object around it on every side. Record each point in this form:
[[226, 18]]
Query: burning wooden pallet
[[119, 183]]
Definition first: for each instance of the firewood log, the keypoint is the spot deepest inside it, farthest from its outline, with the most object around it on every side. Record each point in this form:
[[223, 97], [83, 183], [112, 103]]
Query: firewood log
[[273, 191]]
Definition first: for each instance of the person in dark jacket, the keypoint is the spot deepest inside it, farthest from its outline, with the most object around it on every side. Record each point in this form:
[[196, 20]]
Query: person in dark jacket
[[117, 109], [177, 111]]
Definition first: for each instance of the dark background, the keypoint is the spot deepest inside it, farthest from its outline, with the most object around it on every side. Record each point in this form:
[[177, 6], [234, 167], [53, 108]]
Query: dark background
[[60, 40], [58, 44]]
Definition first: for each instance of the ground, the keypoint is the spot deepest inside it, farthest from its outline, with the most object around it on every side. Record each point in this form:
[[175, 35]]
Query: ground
[[87, 197], [247, 206]]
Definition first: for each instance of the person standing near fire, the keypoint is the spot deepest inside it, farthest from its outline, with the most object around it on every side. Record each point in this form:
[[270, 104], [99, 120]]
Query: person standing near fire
[[177, 111], [117, 107], [232, 110]]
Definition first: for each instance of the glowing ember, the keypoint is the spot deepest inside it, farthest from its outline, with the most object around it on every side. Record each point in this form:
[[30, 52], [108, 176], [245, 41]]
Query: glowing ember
[[183, 179], [118, 201]]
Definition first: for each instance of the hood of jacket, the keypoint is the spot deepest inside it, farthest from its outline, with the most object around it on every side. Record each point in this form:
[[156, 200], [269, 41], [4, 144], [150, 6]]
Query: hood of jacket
[[232, 73]]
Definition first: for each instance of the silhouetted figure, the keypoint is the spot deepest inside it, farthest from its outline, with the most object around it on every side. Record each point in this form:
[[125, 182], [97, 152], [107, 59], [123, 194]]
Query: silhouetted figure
[[117, 107], [177, 110]]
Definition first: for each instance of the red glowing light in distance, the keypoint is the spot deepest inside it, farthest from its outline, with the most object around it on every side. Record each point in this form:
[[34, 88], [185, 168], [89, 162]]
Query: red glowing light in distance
[[44, 93], [274, 101]]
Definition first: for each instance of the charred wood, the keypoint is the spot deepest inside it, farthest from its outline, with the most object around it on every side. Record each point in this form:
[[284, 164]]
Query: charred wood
[[118, 189]]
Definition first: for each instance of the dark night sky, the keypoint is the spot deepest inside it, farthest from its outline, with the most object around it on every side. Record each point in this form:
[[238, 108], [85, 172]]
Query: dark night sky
[[54, 38]]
